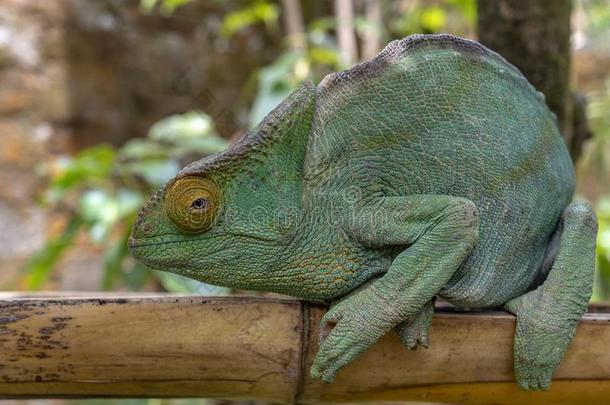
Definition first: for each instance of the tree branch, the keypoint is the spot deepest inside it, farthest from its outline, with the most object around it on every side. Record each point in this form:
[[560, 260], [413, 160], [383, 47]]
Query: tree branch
[[534, 35]]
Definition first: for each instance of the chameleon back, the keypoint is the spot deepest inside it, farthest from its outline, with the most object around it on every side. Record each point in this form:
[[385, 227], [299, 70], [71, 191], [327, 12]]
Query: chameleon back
[[443, 115]]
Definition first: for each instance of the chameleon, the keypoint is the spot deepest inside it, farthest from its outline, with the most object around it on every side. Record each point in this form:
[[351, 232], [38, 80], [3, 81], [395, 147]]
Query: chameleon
[[433, 170]]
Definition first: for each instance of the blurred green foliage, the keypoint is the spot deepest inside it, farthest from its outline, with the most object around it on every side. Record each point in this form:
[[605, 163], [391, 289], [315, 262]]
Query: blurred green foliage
[[258, 12], [597, 14], [318, 57], [320, 54], [449, 16], [101, 189], [592, 34], [597, 159], [602, 286], [166, 7]]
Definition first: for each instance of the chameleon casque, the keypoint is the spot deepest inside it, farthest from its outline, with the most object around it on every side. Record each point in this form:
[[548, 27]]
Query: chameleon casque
[[434, 169]]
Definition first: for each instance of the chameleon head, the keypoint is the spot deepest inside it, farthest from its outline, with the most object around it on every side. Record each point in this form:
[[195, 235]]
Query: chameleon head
[[191, 228], [227, 218]]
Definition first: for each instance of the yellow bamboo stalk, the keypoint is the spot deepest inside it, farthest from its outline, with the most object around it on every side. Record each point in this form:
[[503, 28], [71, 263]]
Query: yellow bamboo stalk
[[261, 348]]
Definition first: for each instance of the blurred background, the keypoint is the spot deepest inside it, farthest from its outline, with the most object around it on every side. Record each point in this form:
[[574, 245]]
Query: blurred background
[[102, 101]]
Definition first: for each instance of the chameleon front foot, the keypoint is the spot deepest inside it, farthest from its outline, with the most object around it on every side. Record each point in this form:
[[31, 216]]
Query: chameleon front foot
[[446, 225], [349, 328]]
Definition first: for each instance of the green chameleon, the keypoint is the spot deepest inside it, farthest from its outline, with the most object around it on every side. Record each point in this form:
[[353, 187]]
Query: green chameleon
[[434, 169]]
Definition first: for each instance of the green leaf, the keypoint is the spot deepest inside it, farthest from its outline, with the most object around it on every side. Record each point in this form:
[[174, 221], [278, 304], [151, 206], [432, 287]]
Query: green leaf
[[182, 285], [177, 136], [136, 149], [95, 205], [276, 82], [259, 12], [86, 168], [148, 6], [323, 24], [154, 172], [433, 19], [468, 8], [201, 146], [324, 56], [38, 268], [136, 277], [113, 259], [602, 277], [167, 7], [180, 126], [129, 202]]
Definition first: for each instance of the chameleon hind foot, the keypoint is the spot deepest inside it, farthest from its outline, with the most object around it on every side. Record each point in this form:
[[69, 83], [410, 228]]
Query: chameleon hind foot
[[547, 317], [415, 332]]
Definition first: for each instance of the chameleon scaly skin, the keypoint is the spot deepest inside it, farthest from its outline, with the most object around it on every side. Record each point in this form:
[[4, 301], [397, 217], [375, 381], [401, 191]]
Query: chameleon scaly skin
[[435, 169]]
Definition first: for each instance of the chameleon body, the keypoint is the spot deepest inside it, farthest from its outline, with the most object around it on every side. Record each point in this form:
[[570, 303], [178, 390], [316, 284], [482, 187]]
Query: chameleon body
[[434, 169]]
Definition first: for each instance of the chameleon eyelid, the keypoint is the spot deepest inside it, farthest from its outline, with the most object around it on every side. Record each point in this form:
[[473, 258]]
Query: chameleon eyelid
[[180, 200]]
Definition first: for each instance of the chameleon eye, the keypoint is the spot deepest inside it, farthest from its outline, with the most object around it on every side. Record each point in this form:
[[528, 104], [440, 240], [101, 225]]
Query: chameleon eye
[[192, 202], [199, 204]]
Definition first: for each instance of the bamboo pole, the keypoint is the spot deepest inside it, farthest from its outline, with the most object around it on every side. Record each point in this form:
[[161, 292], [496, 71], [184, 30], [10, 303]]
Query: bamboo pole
[[255, 348]]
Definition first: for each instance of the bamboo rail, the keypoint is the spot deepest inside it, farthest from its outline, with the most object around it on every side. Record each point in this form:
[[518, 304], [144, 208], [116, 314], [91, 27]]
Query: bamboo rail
[[261, 348]]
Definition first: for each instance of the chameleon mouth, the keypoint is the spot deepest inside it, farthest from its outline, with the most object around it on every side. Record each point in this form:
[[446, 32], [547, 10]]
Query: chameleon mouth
[[133, 243], [139, 247], [160, 254]]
